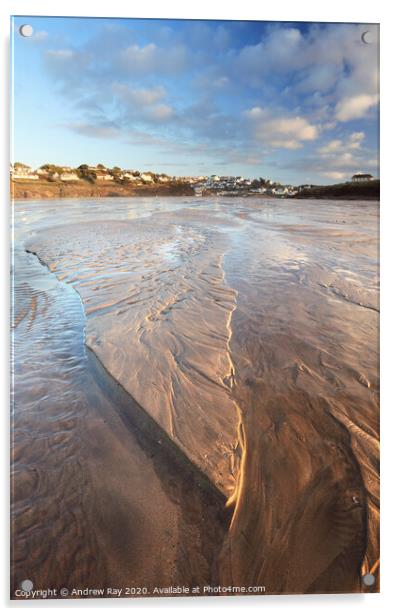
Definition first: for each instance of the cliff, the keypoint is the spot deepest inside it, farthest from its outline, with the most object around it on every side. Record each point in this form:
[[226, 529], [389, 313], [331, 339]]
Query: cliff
[[42, 189]]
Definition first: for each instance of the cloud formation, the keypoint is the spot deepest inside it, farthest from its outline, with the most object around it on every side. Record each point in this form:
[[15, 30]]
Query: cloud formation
[[270, 91], [355, 107], [281, 132], [339, 159]]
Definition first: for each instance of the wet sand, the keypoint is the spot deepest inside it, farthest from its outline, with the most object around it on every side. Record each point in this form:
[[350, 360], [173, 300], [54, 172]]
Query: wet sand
[[305, 348], [245, 333], [96, 500]]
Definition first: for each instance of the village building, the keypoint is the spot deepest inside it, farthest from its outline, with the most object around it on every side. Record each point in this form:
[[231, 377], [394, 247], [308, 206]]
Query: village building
[[20, 168], [281, 191], [131, 177], [362, 177], [104, 176], [22, 172], [147, 177], [69, 176], [41, 172], [163, 178], [24, 176]]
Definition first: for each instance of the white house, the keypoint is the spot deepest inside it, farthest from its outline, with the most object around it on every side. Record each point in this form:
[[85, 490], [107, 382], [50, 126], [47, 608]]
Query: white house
[[22, 172], [42, 172], [19, 168], [280, 192], [146, 177], [131, 177], [69, 177], [25, 176], [104, 176], [362, 177]]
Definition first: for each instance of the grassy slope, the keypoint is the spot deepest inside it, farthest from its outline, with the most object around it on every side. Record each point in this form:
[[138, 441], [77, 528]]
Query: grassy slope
[[350, 190]]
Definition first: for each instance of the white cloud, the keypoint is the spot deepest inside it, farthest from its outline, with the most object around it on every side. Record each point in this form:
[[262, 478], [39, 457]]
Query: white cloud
[[319, 79], [39, 36], [141, 57], [340, 158], [143, 96], [280, 50], [287, 132], [356, 139], [342, 147], [328, 62], [144, 103], [336, 175], [151, 58], [161, 112], [355, 107], [94, 131], [332, 146], [60, 54]]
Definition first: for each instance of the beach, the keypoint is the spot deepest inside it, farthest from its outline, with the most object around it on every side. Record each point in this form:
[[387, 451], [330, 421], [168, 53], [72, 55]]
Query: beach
[[200, 379]]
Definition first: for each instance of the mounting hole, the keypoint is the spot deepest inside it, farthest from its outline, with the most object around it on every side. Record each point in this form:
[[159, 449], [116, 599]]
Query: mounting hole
[[27, 585], [26, 30], [368, 579], [367, 37]]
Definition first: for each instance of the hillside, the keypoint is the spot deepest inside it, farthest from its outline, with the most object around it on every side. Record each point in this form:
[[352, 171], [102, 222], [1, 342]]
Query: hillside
[[348, 190]]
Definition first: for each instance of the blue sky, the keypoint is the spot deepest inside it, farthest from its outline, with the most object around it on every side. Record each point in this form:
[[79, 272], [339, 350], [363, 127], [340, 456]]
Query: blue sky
[[293, 102]]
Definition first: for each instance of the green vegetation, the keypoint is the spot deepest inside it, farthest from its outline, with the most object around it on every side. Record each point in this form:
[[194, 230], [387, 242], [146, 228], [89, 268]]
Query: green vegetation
[[262, 183], [51, 169], [87, 174], [116, 173], [348, 190]]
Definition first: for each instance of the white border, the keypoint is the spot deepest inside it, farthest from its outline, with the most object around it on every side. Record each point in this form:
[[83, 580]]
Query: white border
[[287, 10], [304, 10]]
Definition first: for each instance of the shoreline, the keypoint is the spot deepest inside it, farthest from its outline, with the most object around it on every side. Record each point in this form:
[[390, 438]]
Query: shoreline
[[42, 189]]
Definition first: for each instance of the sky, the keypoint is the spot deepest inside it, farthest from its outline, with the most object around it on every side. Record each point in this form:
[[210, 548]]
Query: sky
[[293, 102]]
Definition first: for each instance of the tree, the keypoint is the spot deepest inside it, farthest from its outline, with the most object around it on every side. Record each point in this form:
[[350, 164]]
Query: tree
[[116, 173], [52, 169], [85, 173]]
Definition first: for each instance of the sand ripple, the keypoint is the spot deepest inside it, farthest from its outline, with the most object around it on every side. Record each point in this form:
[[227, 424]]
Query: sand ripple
[[158, 312], [249, 333]]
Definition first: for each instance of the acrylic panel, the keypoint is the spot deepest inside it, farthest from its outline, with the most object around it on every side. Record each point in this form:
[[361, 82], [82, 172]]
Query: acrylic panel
[[195, 308]]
